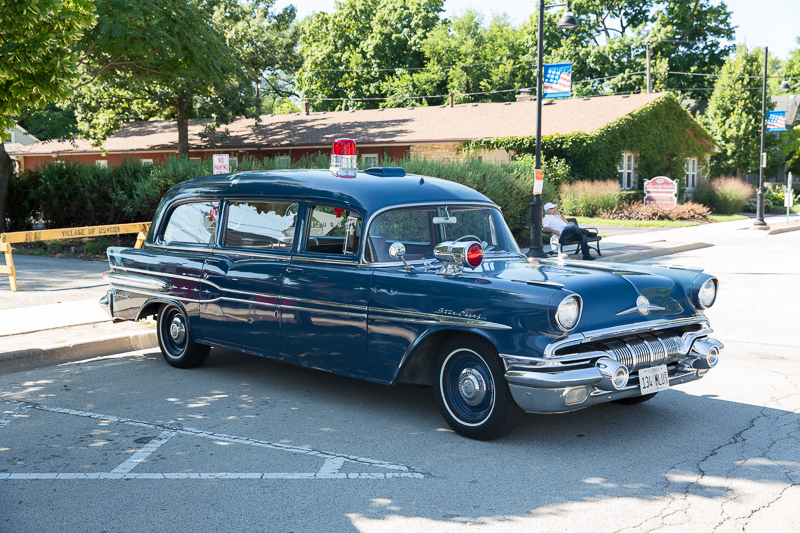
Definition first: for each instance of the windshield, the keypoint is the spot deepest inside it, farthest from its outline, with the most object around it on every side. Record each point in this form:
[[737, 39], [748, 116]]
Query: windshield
[[420, 229]]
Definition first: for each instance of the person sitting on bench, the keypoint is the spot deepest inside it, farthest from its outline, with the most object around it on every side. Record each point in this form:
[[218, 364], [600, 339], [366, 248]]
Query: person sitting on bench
[[555, 223]]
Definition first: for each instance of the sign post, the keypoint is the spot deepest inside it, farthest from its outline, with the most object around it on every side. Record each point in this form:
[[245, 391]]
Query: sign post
[[661, 192], [221, 163]]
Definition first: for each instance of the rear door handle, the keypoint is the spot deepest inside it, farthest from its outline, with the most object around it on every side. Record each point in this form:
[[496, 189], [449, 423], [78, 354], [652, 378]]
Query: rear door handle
[[293, 269]]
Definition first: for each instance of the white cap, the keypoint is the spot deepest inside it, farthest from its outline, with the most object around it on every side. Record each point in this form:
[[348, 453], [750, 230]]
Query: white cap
[[549, 205]]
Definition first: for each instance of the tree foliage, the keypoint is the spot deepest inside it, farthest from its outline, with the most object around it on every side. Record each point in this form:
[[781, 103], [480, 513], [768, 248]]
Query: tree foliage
[[37, 63], [734, 114], [350, 54]]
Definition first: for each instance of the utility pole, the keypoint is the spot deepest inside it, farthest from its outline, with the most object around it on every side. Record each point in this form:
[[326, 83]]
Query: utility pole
[[647, 69]]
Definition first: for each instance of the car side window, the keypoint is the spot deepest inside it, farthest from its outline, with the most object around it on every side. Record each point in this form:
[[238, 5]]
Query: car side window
[[192, 223], [333, 230], [261, 225]]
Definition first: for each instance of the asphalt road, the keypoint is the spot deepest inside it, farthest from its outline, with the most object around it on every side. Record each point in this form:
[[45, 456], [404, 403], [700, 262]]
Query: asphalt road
[[127, 443]]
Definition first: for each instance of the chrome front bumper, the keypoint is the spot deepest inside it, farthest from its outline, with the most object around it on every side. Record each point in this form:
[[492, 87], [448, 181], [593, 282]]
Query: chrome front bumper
[[547, 389]]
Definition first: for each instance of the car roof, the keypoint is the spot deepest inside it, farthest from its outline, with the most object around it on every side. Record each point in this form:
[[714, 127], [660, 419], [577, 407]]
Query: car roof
[[366, 192]]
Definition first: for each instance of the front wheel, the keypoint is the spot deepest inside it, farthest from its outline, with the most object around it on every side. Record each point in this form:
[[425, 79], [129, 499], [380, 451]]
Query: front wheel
[[471, 391], [175, 341]]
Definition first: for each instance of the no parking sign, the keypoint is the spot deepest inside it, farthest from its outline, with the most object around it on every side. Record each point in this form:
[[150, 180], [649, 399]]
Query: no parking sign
[[221, 163]]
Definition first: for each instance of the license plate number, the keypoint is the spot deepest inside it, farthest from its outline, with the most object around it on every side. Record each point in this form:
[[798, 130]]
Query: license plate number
[[653, 379]]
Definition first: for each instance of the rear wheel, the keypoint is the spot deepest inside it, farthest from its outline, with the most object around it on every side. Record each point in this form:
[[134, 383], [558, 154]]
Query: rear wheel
[[175, 341], [471, 391], [634, 400]]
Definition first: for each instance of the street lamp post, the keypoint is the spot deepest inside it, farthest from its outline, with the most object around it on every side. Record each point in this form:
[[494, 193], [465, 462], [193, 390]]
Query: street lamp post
[[762, 156], [567, 22]]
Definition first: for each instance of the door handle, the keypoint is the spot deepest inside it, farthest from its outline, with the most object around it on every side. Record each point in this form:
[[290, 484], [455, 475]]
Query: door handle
[[293, 269]]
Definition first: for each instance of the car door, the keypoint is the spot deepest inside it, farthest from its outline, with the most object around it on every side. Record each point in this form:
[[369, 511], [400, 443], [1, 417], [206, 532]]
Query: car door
[[247, 271], [325, 292]]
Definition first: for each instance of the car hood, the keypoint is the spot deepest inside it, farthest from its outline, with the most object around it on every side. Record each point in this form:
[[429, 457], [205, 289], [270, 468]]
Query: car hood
[[609, 290]]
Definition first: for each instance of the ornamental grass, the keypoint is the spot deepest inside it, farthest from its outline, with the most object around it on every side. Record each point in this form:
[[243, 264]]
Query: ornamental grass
[[586, 198], [724, 195]]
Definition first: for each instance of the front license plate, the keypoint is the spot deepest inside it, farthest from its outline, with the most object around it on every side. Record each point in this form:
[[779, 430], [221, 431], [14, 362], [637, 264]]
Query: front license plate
[[653, 379]]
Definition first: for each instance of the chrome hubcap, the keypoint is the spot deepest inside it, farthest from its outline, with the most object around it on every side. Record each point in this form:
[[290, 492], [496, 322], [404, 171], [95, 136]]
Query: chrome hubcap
[[177, 330], [471, 386]]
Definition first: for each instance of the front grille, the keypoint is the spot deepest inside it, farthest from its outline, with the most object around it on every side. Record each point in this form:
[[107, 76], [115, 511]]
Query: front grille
[[642, 351]]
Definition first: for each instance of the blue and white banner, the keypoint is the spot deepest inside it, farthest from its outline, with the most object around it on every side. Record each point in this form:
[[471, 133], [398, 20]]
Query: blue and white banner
[[776, 120], [557, 80]]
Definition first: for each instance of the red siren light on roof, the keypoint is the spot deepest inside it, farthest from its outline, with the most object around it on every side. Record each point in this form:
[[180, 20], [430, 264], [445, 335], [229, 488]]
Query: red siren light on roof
[[344, 163]]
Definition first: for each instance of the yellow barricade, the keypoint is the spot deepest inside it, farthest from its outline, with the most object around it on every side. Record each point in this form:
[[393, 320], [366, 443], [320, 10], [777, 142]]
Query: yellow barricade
[[7, 239]]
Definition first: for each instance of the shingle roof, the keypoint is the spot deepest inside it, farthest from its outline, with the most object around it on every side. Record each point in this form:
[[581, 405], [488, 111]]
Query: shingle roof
[[399, 126]]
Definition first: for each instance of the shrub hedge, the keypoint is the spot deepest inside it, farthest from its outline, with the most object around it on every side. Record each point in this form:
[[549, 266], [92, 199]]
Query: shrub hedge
[[726, 196], [74, 194]]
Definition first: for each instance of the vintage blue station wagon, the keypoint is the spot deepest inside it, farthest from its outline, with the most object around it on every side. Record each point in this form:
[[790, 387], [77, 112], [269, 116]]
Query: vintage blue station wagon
[[389, 277]]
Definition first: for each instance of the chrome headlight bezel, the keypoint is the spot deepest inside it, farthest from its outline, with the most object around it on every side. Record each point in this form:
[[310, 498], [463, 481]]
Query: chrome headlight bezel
[[568, 312], [706, 294]]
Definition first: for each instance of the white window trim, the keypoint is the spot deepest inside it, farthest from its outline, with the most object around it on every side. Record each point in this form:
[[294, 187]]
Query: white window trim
[[283, 161], [691, 177], [102, 163], [627, 157], [146, 162], [365, 156]]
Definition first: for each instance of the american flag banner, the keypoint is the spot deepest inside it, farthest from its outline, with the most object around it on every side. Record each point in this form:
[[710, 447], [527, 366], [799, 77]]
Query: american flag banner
[[776, 120], [557, 80]]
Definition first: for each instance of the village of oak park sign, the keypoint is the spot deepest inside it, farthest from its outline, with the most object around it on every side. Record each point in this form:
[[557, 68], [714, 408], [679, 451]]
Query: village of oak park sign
[[661, 192]]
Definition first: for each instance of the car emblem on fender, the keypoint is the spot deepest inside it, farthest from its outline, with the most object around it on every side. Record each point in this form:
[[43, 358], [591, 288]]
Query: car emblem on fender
[[643, 306]]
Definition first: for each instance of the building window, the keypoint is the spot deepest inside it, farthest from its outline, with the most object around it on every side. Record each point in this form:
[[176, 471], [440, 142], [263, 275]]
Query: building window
[[691, 173], [369, 160], [102, 163], [283, 161], [59, 162], [195, 159], [625, 168], [147, 162]]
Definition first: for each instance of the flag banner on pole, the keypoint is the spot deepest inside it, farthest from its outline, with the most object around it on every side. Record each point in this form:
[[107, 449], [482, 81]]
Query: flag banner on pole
[[557, 80], [776, 120]]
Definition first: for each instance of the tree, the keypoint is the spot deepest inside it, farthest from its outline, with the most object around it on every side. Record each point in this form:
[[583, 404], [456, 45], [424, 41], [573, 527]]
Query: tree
[[37, 63], [149, 57], [348, 55], [733, 116]]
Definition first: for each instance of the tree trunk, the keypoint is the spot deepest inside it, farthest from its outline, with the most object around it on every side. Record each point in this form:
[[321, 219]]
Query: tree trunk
[[6, 170], [183, 126]]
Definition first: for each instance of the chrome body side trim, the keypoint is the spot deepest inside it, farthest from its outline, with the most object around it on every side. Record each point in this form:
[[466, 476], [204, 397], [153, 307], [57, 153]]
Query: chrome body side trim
[[415, 317], [122, 279]]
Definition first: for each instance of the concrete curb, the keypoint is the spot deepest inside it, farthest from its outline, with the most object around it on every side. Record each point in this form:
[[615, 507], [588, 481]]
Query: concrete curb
[[784, 229], [85, 349], [653, 252]]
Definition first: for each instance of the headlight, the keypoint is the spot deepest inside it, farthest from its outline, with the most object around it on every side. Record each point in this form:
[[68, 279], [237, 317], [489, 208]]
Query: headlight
[[707, 293], [568, 313]]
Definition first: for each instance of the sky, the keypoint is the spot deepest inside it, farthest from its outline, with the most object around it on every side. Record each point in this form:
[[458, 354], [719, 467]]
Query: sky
[[772, 23]]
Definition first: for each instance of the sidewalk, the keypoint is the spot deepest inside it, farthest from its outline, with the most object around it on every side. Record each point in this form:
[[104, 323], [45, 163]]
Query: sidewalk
[[55, 314]]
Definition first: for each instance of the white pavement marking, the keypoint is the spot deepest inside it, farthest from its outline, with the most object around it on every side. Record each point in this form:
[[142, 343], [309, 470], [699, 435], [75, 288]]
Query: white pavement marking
[[18, 411], [144, 453], [329, 470]]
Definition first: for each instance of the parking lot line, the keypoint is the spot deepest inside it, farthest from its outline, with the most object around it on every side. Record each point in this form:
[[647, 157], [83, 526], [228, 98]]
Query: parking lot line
[[331, 468]]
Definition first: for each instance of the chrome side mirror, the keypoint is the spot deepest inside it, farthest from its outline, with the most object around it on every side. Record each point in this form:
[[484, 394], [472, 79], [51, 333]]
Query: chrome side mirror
[[398, 250]]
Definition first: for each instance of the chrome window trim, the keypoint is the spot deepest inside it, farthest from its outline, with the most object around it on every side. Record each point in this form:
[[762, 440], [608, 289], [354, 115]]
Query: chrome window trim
[[177, 202], [222, 250], [299, 258], [263, 199], [179, 248], [362, 259]]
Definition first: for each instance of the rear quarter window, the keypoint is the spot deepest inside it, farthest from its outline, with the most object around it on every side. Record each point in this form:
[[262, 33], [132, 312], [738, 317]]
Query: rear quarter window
[[192, 223]]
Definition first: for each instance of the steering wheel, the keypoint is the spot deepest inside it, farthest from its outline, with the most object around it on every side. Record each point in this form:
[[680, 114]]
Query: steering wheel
[[474, 237]]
